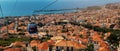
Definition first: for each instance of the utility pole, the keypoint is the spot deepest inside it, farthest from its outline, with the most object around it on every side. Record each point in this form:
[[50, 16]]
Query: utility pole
[[34, 17], [16, 23], [7, 24]]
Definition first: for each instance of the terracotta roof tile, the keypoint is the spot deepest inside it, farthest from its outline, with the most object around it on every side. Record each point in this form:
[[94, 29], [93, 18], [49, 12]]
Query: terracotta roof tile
[[43, 46], [12, 49], [103, 49], [34, 43], [79, 46], [66, 43]]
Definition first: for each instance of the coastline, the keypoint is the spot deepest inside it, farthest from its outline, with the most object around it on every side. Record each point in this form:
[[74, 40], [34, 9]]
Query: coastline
[[22, 13], [98, 26]]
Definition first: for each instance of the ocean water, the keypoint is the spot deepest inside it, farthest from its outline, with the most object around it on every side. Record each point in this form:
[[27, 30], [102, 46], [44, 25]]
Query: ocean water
[[26, 7]]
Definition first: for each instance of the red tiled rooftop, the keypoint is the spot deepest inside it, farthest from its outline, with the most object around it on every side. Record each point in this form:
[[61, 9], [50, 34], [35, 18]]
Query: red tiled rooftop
[[12, 49], [79, 46], [103, 49], [34, 43], [43, 46], [51, 42]]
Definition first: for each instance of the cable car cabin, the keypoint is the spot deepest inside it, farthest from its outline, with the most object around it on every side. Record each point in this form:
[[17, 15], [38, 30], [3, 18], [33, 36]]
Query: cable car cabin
[[32, 28]]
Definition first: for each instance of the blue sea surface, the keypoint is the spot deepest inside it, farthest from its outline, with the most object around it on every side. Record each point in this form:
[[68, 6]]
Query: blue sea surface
[[26, 7]]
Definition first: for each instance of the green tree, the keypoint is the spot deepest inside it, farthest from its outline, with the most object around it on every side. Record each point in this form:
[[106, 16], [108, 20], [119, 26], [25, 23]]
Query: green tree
[[114, 38]]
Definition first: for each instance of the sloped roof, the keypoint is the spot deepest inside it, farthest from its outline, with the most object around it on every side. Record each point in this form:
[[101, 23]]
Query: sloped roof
[[12, 49], [64, 43], [43, 46], [103, 49], [79, 46], [57, 38], [34, 43]]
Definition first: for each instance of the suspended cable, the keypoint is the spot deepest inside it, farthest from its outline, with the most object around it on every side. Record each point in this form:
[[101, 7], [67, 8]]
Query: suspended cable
[[1, 10], [16, 1], [47, 5], [44, 8]]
